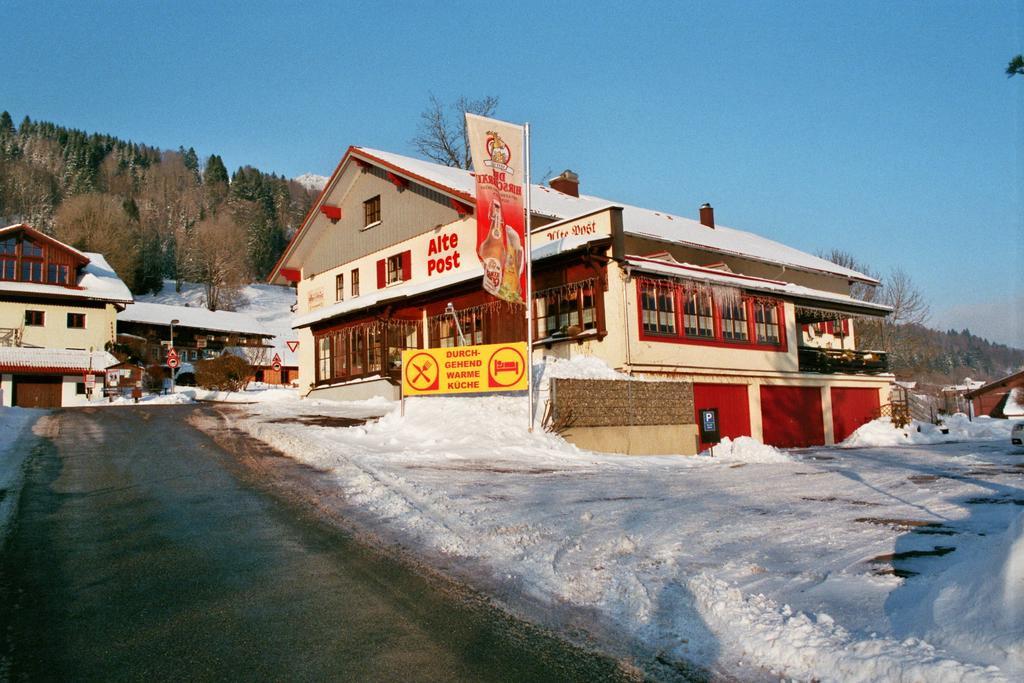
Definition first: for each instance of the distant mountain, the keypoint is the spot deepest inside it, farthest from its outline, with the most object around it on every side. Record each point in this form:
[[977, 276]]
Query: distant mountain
[[311, 181]]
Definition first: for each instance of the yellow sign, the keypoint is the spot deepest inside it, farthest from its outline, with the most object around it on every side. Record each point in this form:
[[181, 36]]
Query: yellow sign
[[465, 369]]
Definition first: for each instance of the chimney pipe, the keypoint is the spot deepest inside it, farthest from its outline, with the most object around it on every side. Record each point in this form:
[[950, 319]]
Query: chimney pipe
[[707, 215], [566, 182]]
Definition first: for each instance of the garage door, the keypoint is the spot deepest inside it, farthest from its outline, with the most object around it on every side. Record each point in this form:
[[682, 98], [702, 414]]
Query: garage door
[[791, 417], [37, 392], [733, 407], [852, 408]]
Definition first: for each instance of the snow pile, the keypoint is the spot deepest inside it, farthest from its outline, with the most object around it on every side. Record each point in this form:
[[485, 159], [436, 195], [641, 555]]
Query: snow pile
[[578, 367], [255, 393], [746, 449], [815, 647], [882, 433], [977, 608]]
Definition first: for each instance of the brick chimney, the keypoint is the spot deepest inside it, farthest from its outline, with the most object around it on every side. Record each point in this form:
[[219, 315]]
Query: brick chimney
[[707, 216], [566, 182]]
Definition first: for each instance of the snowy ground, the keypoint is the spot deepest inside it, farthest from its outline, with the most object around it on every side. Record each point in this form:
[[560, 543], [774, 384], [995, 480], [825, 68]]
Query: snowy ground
[[890, 562], [15, 424]]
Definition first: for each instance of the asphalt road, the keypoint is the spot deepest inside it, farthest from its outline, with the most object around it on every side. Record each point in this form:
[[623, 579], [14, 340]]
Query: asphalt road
[[139, 552]]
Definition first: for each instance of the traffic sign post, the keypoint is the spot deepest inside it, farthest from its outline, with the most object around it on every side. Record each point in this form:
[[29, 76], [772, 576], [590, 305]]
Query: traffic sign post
[[172, 363], [276, 363]]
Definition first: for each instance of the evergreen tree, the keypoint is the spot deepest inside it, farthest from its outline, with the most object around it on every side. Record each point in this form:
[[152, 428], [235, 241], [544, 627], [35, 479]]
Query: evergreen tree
[[215, 172]]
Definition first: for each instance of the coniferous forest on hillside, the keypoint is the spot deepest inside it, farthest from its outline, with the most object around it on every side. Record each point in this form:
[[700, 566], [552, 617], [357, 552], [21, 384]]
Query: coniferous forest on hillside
[[161, 214], [153, 214]]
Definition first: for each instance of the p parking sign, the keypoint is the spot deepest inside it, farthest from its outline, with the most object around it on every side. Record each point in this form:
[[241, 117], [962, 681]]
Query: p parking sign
[[709, 428]]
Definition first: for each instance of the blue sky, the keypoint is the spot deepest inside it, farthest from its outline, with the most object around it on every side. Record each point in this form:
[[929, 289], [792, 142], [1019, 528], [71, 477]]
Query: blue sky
[[885, 129]]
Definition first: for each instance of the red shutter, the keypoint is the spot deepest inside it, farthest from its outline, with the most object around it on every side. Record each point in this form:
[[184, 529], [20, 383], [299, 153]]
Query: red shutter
[[406, 266], [829, 327], [846, 326], [381, 274]]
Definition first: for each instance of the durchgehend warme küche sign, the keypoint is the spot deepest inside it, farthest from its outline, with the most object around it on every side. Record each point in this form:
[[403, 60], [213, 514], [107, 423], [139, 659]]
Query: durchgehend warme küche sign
[[465, 369]]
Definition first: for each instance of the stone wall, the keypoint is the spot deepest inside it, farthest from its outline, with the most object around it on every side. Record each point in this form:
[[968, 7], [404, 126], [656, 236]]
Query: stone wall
[[617, 403]]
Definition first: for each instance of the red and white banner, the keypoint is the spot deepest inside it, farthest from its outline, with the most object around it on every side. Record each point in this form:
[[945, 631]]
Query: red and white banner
[[498, 156]]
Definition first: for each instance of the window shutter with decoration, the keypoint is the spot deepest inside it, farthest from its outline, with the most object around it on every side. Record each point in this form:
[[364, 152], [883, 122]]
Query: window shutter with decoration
[[381, 274], [406, 266]]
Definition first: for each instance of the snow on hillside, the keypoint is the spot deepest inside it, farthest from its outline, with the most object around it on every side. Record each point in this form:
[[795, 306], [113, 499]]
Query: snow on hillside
[[270, 305], [891, 563], [312, 181]]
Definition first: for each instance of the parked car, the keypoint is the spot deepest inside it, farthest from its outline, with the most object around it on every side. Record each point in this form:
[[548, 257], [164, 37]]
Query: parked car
[[1017, 434]]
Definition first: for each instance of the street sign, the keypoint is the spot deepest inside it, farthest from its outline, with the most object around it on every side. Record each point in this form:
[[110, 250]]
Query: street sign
[[172, 359], [113, 378], [465, 369], [276, 363], [292, 345], [90, 381], [709, 428]]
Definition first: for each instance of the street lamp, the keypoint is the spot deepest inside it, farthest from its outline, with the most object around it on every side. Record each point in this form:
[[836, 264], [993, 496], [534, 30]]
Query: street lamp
[[174, 322]]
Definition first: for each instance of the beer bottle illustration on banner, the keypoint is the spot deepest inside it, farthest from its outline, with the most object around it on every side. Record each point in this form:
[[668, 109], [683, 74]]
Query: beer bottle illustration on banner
[[492, 251], [513, 269]]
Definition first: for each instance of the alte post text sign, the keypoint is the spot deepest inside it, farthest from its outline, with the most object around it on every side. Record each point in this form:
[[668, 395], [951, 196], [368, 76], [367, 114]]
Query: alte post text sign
[[465, 369]]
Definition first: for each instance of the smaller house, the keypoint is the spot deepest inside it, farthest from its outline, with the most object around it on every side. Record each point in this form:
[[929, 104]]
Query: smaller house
[[148, 331], [997, 398], [50, 378], [58, 309]]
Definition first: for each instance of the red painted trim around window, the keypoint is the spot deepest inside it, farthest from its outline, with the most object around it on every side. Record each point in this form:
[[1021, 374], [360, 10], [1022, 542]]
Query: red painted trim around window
[[680, 336]]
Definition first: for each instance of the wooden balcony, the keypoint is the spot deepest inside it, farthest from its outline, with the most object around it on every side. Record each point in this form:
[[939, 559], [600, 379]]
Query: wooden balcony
[[842, 360]]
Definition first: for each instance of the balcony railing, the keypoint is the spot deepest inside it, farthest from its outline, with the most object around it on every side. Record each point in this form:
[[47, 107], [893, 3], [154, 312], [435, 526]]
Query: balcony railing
[[842, 360], [10, 336]]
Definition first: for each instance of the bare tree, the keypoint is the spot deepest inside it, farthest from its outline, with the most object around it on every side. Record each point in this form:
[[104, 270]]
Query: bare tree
[[858, 290], [909, 306], [442, 134], [97, 222], [220, 260]]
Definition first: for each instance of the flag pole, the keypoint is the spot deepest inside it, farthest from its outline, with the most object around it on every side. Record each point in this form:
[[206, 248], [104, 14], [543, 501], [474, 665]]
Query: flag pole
[[529, 273]]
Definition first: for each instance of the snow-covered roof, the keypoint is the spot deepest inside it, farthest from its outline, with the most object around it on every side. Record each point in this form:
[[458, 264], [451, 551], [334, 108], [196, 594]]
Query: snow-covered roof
[[636, 220], [71, 360], [268, 305], [97, 282], [748, 282], [977, 387], [196, 318]]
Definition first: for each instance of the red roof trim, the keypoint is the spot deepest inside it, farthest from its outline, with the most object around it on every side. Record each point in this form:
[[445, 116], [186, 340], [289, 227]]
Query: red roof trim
[[397, 181], [48, 370]]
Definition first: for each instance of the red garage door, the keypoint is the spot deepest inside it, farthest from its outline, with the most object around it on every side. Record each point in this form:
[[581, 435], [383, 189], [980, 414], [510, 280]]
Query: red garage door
[[733, 407], [851, 408], [791, 417]]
